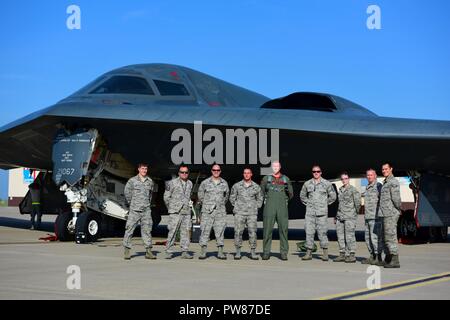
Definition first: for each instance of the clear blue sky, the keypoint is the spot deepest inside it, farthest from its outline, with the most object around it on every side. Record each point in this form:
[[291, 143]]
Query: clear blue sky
[[401, 70]]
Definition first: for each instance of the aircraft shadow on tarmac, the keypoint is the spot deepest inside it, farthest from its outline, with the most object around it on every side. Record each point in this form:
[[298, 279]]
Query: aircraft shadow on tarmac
[[25, 224], [161, 230]]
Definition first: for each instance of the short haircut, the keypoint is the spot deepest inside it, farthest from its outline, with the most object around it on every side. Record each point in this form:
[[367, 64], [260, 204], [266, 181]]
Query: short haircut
[[143, 164], [182, 166], [316, 166], [387, 163], [247, 168], [215, 164], [371, 169], [345, 173]]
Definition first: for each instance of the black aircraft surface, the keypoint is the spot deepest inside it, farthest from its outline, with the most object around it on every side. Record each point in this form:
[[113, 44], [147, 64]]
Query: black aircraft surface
[[134, 114]]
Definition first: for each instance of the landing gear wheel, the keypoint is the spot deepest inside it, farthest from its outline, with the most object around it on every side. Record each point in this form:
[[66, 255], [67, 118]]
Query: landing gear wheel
[[64, 229], [88, 224]]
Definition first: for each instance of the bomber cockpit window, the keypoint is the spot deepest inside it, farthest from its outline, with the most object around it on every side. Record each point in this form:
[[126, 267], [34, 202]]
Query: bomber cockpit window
[[171, 88], [125, 85]]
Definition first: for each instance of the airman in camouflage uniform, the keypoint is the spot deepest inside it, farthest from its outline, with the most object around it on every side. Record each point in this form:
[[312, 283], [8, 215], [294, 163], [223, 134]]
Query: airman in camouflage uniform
[[177, 198], [138, 193], [349, 205], [246, 198], [373, 223], [317, 194], [277, 190], [390, 203], [213, 195]]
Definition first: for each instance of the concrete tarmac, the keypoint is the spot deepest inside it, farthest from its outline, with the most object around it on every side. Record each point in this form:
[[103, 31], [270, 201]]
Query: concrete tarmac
[[35, 269]]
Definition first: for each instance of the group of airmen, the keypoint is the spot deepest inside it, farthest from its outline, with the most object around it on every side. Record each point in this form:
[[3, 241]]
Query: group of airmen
[[381, 208]]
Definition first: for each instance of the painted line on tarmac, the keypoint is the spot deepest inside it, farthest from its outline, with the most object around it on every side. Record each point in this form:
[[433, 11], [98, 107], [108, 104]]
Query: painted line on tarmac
[[390, 288]]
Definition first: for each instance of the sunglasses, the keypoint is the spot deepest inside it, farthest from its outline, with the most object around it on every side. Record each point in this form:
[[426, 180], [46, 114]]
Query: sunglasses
[[216, 170], [316, 171], [183, 172]]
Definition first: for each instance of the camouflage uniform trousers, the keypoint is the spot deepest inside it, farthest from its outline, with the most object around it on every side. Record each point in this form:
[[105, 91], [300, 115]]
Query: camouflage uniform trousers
[[183, 223], [145, 218], [374, 235], [316, 223], [240, 221], [216, 220], [390, 234], [345, 231]]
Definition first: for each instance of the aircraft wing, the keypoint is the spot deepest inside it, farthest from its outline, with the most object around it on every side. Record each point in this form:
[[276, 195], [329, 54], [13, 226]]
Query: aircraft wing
[[306, 137], [312, 127]]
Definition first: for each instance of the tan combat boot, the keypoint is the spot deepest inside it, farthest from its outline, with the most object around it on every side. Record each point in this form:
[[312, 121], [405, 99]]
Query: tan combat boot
[[186, 255], [308, 255], [126, 254], [149, 254], [351, 258], [394, 263], [237, 256], [325, 255], [340, 258], [372, 259], [220, 253], [266, 256], [253, 255], [203, 253]]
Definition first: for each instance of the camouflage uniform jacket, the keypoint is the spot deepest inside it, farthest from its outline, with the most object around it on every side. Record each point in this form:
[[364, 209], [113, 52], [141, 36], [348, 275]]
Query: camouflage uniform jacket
[[372, 200], [213, 196], [390, 200], [177, 196], [138, 193], [246, 200], [349, 203], [317, 197]]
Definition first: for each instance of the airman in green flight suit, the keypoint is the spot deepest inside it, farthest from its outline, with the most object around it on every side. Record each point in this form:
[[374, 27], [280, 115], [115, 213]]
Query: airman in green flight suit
[[277, 191]]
